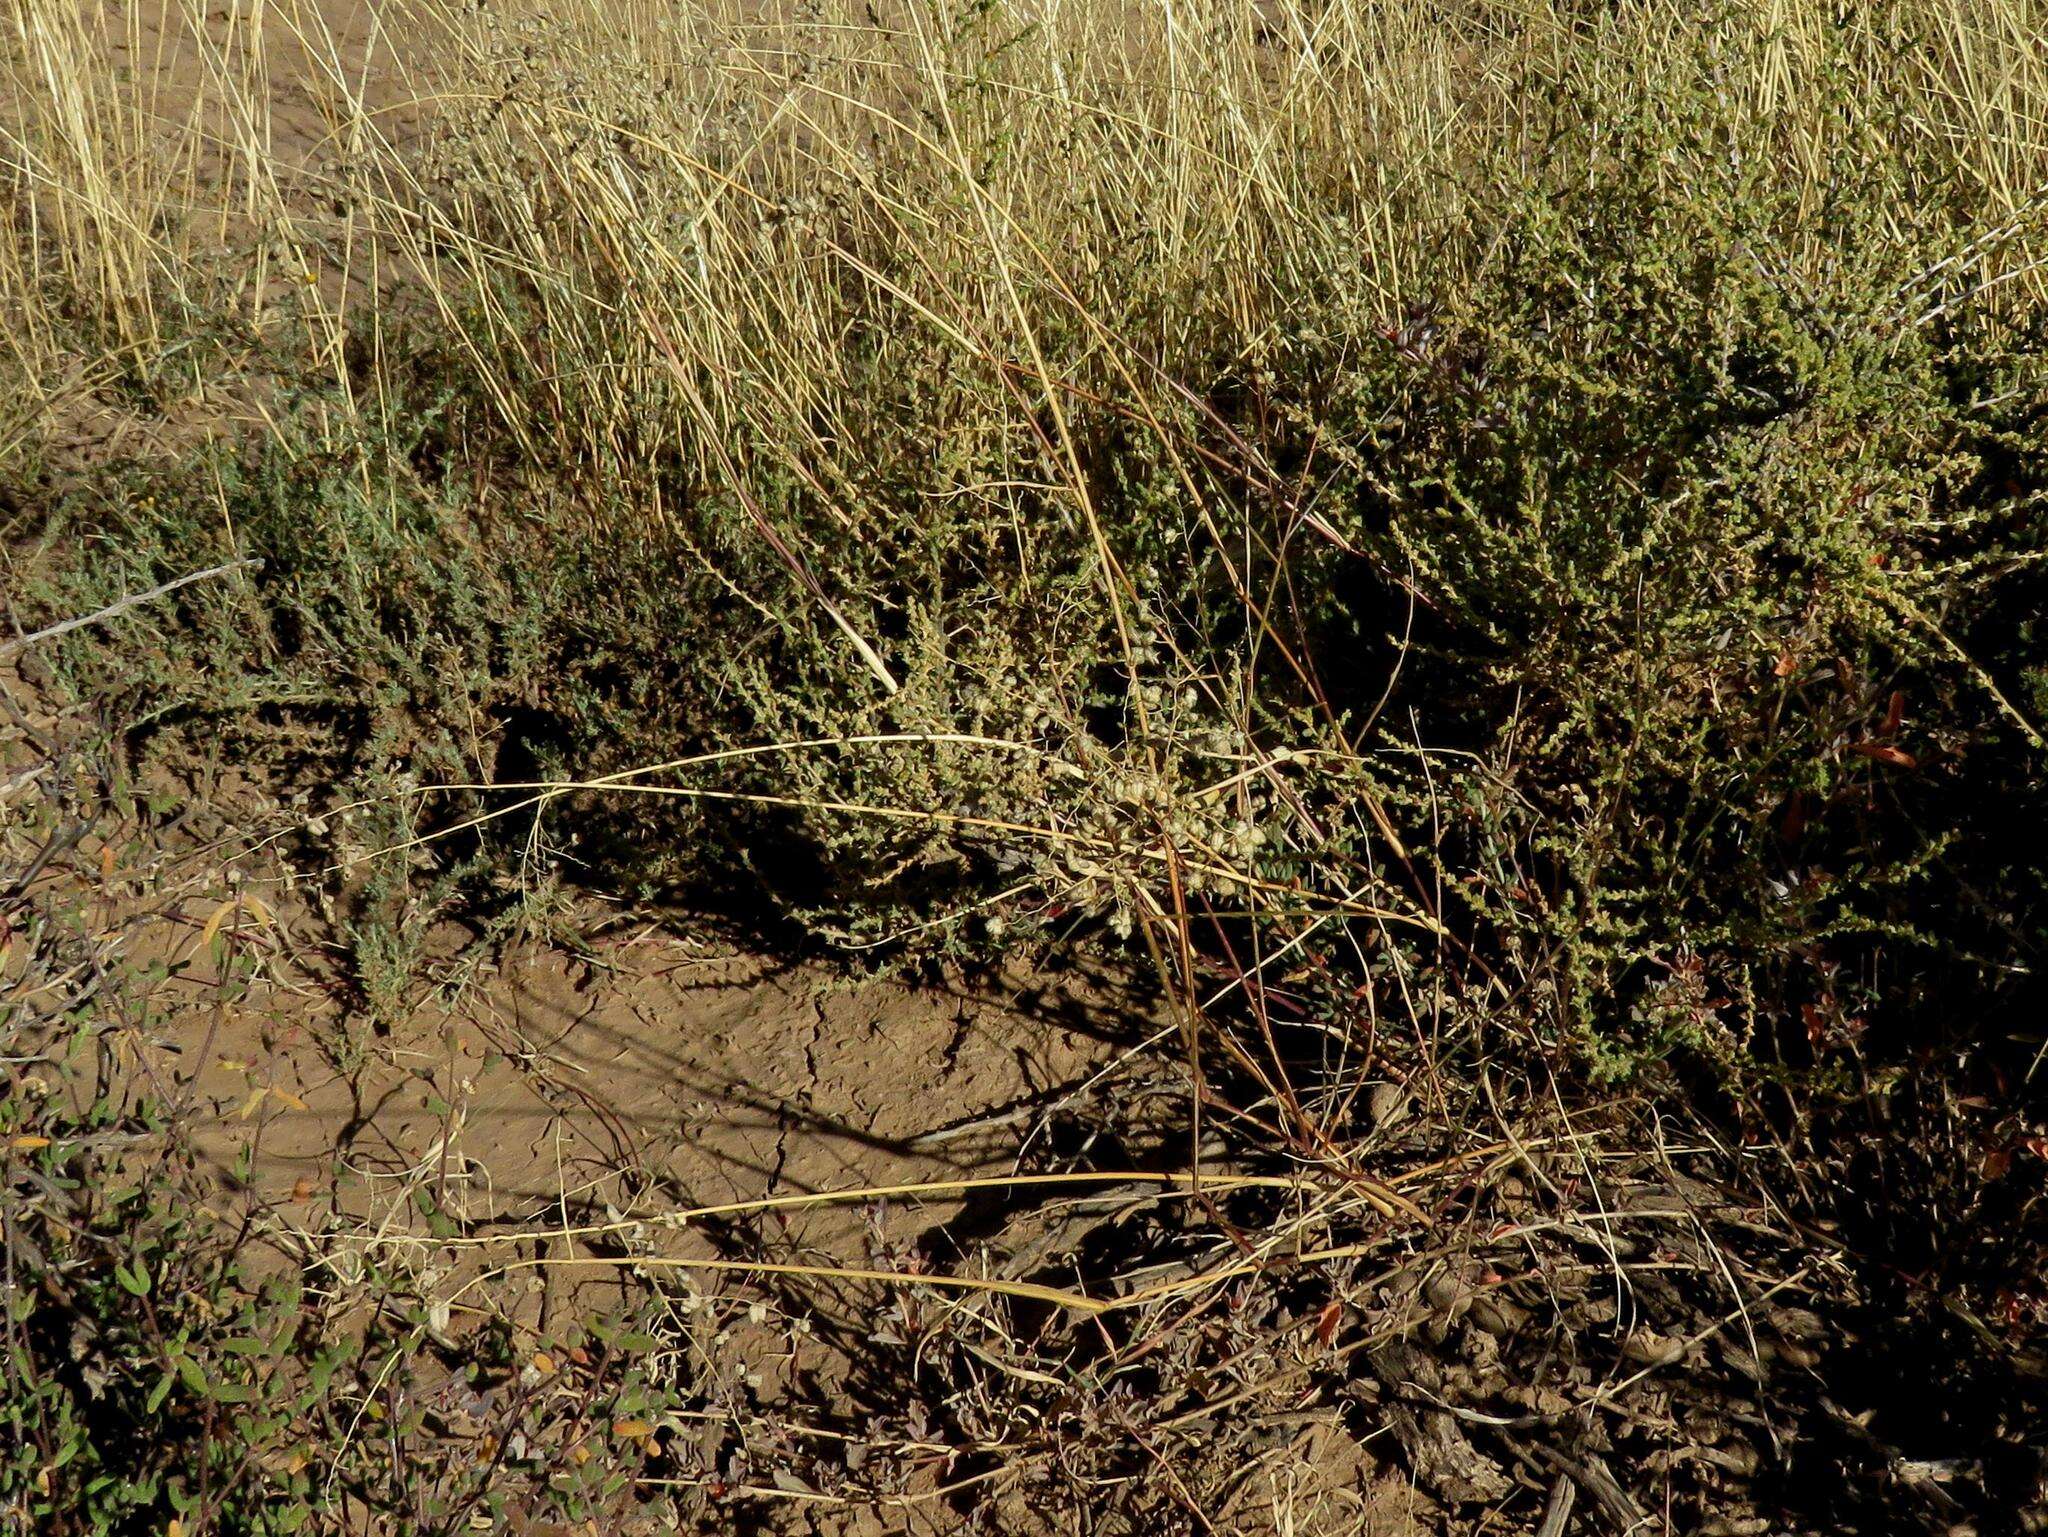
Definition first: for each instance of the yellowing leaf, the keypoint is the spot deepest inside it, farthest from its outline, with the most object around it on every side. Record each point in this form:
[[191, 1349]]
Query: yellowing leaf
[[288, 1097], [28, 1144], [249, 1105], [544, 1363], [220, 913], [632, 1429]]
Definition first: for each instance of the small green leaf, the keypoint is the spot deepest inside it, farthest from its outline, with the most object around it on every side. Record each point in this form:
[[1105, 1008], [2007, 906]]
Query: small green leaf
[[190, 1374], [134, 1281]]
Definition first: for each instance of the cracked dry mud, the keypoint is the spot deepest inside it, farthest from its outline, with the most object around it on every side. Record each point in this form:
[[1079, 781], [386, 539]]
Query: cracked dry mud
[[660, 1074]]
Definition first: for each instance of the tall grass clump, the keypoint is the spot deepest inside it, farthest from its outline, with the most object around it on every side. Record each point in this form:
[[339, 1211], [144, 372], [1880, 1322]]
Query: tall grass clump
[[1541, 502], [159, 239]]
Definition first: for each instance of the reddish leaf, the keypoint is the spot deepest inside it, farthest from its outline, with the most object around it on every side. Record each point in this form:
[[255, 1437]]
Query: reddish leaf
[[1894, 713], [1327, 1321], [1795, 817], [1883, 754]]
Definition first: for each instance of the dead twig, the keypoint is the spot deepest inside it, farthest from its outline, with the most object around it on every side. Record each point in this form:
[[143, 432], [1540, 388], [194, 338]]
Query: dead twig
[[1559, 1511], [122, 605], [1593, 1476]]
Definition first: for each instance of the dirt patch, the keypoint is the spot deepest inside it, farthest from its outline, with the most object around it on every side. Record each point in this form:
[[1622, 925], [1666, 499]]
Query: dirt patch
[[661, 1069], [293, 64]]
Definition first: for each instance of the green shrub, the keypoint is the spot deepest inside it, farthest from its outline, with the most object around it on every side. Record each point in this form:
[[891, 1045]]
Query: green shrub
[[1704, 521]]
